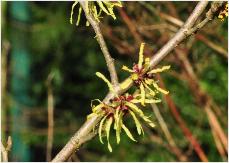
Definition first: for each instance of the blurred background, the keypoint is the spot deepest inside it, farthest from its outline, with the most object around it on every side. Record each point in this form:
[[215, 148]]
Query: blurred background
[[48, 63]]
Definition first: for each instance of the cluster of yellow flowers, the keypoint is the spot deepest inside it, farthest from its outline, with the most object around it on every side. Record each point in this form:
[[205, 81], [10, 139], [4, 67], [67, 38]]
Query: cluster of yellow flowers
[[121, 105], [114, 113], [144, 80], [96, 8], [224, 12]]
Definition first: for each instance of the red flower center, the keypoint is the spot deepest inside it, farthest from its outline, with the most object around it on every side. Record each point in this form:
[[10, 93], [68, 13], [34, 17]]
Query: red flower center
[[121, 102]]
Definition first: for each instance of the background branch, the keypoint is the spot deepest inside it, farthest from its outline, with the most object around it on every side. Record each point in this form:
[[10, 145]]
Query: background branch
[[50, 117], [5, 150], [183, 125], [202, 98], [180, 35], [200, 37], [167, 133]]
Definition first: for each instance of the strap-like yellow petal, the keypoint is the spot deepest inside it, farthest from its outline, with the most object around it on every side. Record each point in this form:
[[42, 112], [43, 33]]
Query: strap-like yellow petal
[[118, 127], [137, 123], [147, 63], [100, 3], [135, 101], [110, 86], [95, 14], [149, 122], [134, 108], [107, 129], [117, 3], [139, 112], [160, 89], [126, 83], [151, 92], [125, 68], [157, 70], [116, 118], [128, 133], [97, 108], [79, 15], [150, 101], [110, 9], [100, 128], [143, 94], [140, 60], [149, 81], [72, 11]]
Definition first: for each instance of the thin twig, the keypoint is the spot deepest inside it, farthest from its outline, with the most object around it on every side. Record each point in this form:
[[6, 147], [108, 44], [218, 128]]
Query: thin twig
[[172, 19], [163, 125], [214, 122], [217, 140], [86, 128], [50, 118], [180, 35], [103, 46], [133, 30], [90, 136], [5, 51], [158, 139], [212, 45], [131, 26], [5, 150], [167, 133], [200, 37], [3, 94]]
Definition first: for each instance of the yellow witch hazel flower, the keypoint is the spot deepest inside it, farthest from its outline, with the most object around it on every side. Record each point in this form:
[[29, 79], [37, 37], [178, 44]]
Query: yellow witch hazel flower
[[96, 8], [224, 12], [143, 78], [113, 113]]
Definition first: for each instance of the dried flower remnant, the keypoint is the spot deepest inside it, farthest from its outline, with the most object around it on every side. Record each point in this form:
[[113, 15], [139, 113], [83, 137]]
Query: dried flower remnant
[[223, 12], [96, 8], [143, 78]]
